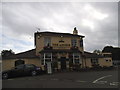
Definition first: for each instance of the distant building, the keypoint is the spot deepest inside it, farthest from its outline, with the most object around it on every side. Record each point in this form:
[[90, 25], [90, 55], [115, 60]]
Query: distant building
[[64, 50], [115, 53]]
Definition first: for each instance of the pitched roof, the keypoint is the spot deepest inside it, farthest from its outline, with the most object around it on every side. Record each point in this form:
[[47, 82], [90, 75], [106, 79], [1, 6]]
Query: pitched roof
[[26, 54], [58, 34], [92, 55], [114, 50]]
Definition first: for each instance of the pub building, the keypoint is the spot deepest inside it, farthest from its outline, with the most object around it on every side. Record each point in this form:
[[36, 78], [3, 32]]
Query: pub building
[[62, 49], [65, 51]]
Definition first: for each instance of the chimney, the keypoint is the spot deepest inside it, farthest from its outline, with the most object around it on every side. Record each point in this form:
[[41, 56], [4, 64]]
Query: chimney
[[75, 31]]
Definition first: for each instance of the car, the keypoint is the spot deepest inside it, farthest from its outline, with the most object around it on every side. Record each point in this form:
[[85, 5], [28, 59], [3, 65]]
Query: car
[[22, 70]]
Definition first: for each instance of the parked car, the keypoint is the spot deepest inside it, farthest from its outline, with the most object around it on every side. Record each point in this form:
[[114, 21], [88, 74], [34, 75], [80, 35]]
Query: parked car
[[22, 70]]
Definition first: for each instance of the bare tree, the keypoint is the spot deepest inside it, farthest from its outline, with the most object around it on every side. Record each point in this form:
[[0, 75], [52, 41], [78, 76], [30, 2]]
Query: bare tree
[[97, 52]]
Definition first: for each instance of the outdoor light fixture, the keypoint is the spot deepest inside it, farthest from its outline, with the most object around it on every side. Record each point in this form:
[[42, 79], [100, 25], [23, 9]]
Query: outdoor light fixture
[[61, 36], [61, 39], [39, 36]]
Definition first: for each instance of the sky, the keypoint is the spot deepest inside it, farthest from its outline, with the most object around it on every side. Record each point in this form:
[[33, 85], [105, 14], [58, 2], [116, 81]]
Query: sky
[[97, 21]]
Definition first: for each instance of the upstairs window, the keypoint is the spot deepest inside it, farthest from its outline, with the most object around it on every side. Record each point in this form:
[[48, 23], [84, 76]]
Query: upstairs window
[[48, 55], [74, 42], [47, 41], [107, 55], [81, 43]]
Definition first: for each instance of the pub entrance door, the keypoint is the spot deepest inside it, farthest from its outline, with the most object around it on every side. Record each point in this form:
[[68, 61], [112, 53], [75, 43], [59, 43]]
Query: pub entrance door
[[63, 63]]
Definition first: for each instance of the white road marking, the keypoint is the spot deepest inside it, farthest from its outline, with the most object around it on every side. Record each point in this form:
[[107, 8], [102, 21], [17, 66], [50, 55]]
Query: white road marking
[[95, 81], [115, 83], [42, 79], [10, 79], [54, 79], [80, 81], [101, 82]]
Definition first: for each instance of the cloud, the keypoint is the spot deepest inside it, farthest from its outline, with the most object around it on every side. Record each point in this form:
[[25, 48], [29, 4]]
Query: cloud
[[94, 12], [97, 21]]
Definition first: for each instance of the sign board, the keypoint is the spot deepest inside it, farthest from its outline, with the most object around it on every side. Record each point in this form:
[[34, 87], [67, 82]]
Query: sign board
[[61, 45]]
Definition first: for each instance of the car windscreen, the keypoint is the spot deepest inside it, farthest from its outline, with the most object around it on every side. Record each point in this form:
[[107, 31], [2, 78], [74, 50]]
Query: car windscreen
[[19, 67]]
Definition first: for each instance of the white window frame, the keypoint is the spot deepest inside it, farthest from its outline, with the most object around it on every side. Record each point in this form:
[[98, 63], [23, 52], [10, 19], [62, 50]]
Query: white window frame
[[47, 58], [74, 58], [46, 41]]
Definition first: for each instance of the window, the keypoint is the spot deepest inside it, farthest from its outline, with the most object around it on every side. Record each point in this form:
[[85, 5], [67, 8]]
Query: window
[[73, 42], [94, 61], [76, 61], [76, 55], [107, 55], [81, 43], [109, 60], [19, 62], [76, 58], [106, 60], [46, 57], [47, 41]]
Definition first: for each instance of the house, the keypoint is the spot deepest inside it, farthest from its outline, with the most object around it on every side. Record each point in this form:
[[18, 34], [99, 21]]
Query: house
[[63, 50], [114, 51]]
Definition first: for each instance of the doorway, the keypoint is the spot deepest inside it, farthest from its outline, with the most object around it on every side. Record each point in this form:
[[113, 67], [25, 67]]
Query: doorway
[[63, 63]]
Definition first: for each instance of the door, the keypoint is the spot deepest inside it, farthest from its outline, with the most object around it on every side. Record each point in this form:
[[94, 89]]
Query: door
[[63, 63]]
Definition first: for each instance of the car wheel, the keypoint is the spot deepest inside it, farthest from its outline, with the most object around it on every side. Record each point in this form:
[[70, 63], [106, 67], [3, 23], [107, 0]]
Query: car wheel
[[5, 76], [33, 73]]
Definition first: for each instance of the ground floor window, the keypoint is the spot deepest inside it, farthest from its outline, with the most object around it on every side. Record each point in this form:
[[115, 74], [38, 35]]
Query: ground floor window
[[76, 58], [55, 64], [46, 57], [94, 61], [19, 62]]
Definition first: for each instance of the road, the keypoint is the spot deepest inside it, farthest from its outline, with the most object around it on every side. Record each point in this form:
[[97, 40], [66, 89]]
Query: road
[[89, 79]]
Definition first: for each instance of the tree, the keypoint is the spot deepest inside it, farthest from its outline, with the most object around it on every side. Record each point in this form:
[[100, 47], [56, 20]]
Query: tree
[[108, 49], [97, 52], [5, 53]]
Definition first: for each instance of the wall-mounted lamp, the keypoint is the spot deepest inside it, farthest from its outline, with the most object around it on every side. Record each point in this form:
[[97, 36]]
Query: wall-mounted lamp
[[39, 36], [61, 36], [61, 39]]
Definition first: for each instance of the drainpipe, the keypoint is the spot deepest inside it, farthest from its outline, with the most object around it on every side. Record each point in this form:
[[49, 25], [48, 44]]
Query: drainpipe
[[44, 58], [73, 59], [51, 57]]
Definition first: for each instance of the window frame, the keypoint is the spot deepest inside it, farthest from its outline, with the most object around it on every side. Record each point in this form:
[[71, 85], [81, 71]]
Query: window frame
[[76, 58], [47, 41], [44, 59], [94, 61], [73, 42]]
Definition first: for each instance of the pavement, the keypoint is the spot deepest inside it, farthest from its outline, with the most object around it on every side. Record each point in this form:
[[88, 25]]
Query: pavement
[[88, 79]]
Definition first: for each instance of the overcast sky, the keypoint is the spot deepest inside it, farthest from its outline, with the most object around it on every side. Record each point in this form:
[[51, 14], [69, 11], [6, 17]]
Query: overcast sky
[[98, 22]]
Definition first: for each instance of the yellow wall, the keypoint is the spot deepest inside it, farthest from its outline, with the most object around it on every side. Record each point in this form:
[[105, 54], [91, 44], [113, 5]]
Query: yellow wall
[[9, 63], [103, 62], [88, 62], [55, 40], [39, 44]]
